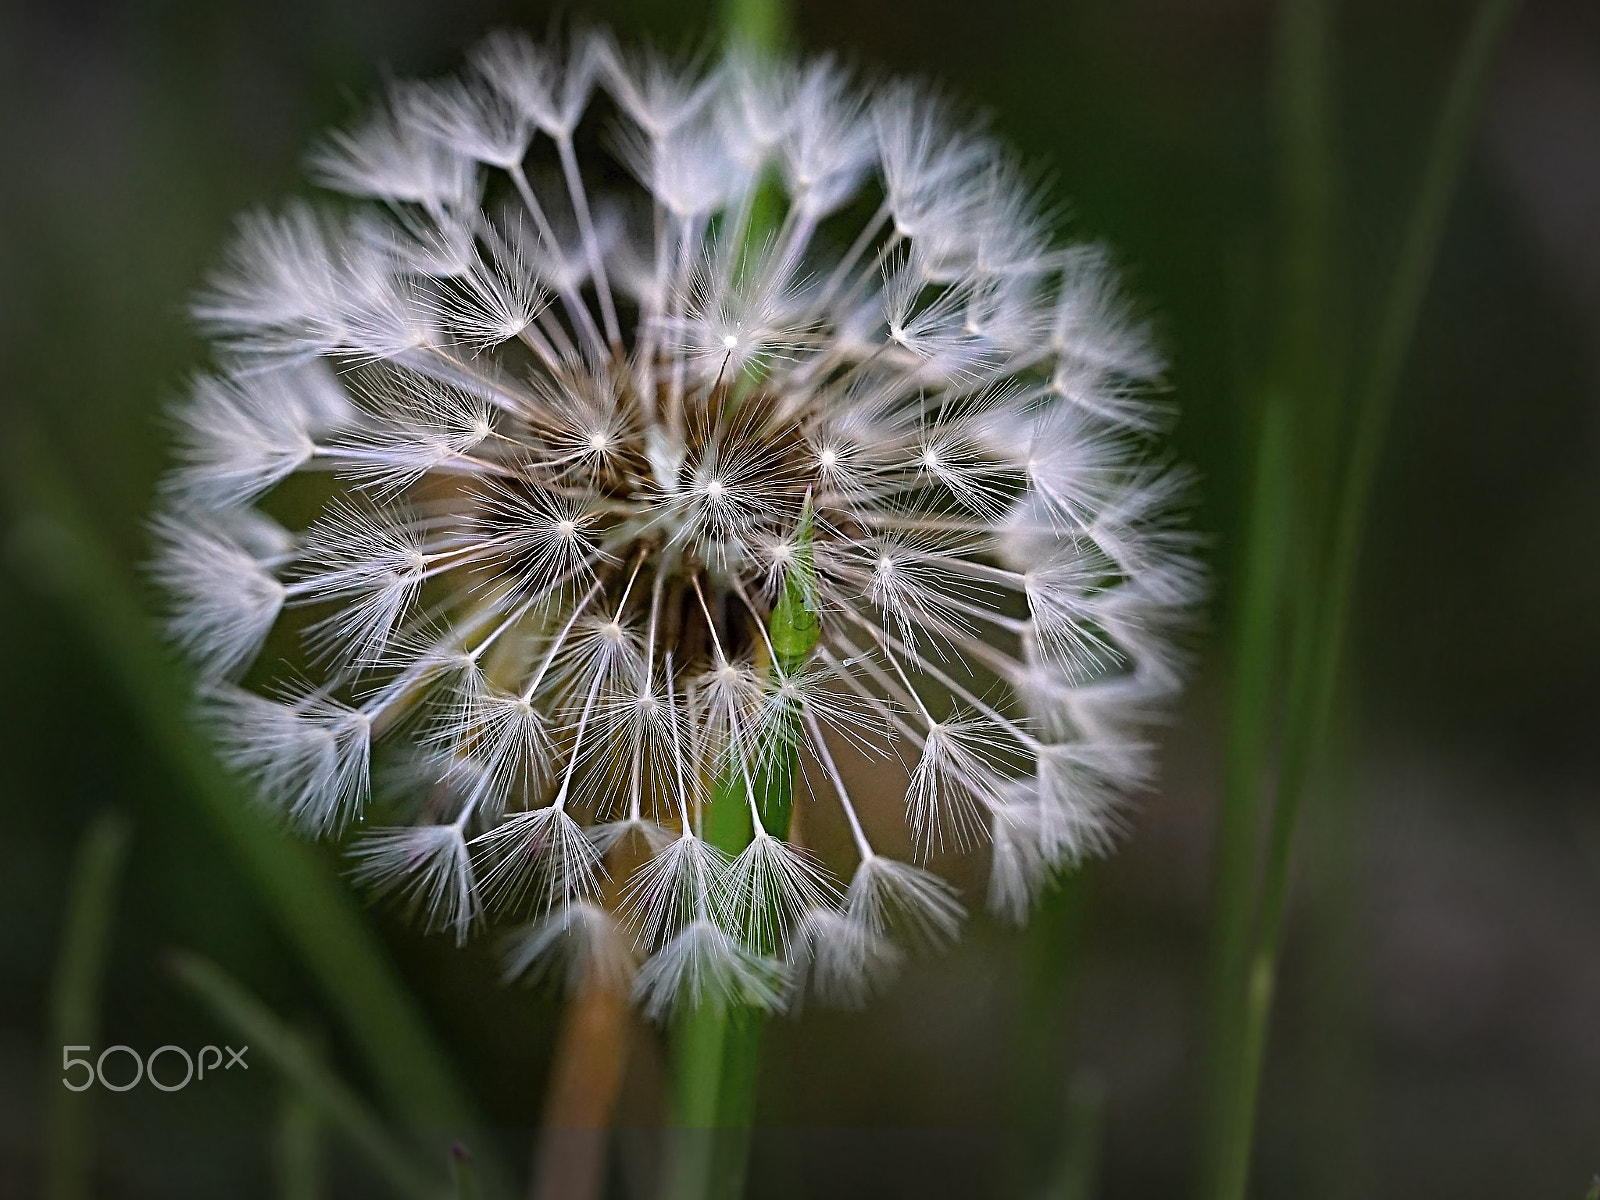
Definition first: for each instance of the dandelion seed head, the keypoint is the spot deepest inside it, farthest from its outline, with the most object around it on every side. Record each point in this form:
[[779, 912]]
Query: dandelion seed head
[[571, 449]]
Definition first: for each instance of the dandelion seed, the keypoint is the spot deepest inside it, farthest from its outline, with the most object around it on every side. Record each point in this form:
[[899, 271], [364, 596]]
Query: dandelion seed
[[890, 897], [837, 957], [771, 886], [219, 573], [705, 964], [428, 868], [578, 455], [581, 943]]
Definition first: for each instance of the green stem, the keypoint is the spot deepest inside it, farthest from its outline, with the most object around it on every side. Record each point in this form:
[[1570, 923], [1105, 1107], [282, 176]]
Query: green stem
[[75, 999], [717, 1047], [1320, 642]]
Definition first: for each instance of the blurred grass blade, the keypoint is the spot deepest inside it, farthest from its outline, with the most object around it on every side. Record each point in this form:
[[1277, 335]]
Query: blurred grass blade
[[300, 1127], [75, 999], [305, 898], [1458, 120], [1254, 673], [1277, 520], [265, 1034], [1041, 1037], [463, 1175], [1078, 1168], [1321, 628]]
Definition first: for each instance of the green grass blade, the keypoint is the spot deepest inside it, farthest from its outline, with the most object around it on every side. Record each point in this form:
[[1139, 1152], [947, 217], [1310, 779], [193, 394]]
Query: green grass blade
[[464, 1182], [308, 902], [1254, 674], [75, 1000], [1278, 515], [299, 1150], [1419, 249], [1320, 637], [1078, 1168], [1041, 1036], [339, 1105]]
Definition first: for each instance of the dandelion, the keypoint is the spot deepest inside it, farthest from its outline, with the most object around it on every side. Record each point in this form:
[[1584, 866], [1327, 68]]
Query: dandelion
[[634, 448]]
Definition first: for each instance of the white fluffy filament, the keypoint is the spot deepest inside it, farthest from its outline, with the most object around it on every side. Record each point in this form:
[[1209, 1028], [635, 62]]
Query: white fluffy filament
[[566, 446]]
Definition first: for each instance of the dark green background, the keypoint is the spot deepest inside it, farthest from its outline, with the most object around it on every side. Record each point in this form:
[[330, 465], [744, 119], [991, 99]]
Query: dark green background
[[1439, 1033]]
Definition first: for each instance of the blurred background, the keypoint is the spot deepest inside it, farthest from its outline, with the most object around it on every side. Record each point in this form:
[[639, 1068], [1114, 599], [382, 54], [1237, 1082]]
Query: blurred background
[[1438, 1032]]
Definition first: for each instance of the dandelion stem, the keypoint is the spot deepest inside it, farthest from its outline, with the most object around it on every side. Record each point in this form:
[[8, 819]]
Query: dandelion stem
[[717, 1048], [75, 998]]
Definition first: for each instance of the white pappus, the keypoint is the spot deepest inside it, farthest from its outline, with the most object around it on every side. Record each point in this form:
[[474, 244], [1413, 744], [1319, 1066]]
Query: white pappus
[[509, 454]]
